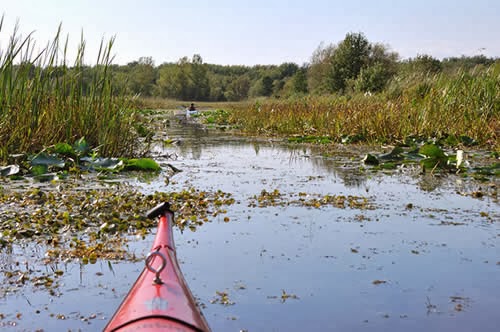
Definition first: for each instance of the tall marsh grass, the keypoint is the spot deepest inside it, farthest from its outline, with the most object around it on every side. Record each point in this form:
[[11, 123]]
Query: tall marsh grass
[[426, 106], [44, 100]]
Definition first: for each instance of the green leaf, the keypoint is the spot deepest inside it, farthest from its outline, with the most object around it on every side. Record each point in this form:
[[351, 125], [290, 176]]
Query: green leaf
[[143, 164], [45, 177], [370, 159], [431, 163], [395, 154], [81, 146], [432, 151], [112, 164], [388, 165], [64, 149], [467, 141], [47, 160], [40, 169]]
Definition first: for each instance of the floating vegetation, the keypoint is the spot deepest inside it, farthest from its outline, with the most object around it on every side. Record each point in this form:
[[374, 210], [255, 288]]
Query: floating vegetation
[[266, 198], [222, 298], [87, 225], [432, 158], [9, 170], [378, 282], [17, 278], [351, 139], [370, 159], [490, 170], [284, 296], [460, 303], [143, 164], [89, 216], [62, 158], [219, 117], [275, 198], [311, 139]]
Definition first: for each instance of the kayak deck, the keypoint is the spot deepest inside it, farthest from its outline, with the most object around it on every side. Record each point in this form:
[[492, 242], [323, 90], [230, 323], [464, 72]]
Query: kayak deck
[[160, 299]]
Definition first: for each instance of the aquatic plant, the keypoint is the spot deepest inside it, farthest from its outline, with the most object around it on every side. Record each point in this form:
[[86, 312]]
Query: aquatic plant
[[142, 164], [64, 211], [44, 100], [464, 107]]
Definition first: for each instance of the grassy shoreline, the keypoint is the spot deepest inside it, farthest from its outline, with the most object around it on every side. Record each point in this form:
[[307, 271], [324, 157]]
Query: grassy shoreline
[[463, 109], [45, 101]]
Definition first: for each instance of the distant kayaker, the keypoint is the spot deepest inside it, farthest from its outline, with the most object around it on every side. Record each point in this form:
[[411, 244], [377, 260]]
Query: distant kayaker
[[192, 107]]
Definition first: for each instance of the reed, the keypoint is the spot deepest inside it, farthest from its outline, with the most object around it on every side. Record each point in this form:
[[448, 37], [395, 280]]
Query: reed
[[44, 101], [427, 106]]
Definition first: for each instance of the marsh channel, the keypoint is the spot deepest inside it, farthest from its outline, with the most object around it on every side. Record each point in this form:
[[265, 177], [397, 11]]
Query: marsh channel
[[398, 250]]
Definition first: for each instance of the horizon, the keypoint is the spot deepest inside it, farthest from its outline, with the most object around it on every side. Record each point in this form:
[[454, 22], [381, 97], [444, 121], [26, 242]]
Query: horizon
[[266, 33]]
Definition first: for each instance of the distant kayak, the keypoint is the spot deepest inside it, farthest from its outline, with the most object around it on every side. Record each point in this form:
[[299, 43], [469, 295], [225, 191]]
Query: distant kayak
[[191, 112], [160, 299]]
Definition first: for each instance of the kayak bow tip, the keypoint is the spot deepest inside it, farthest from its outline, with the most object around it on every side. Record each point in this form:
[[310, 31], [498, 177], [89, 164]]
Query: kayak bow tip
[[158, 210]]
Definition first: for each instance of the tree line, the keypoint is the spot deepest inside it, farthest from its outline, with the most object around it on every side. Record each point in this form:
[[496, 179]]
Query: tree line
[[353, 65]]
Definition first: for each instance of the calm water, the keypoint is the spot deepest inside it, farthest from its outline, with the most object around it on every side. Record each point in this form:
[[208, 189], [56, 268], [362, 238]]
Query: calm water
[[437, 276]]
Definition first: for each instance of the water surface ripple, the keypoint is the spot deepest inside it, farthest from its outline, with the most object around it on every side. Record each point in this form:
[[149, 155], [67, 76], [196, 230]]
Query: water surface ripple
[[425, 258]]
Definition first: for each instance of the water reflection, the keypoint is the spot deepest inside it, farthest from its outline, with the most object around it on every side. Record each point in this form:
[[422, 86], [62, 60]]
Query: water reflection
[[443, 248], [196, 143]]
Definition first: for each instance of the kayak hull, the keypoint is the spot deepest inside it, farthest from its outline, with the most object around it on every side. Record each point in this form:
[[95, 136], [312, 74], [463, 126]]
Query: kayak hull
[[160, 299], [155, 324]]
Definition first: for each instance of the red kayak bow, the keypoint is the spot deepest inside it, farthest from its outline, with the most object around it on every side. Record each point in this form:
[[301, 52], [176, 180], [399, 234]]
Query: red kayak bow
[[160, 299]]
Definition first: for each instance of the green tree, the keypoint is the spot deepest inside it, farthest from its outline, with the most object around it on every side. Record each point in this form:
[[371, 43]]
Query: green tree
[[142, 76], [466, 62], [287, 69], [200, 88], [349, 57], [371, 79], [217, 86], [381, 66], [167, 83], [319, 67], [299, 81], [267, 86], [425, 64], [238, 89]]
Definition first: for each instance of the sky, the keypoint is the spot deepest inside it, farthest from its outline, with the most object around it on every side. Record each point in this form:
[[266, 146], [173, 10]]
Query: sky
[[250, 32]]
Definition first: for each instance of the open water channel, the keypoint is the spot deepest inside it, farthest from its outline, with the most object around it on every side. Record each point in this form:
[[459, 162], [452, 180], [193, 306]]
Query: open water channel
[[424, 255]]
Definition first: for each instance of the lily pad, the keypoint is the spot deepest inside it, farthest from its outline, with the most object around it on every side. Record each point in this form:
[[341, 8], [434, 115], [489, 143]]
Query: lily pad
[[64, 149], [370, 159], [432, 163], [46, 177], [47, 160], [9, 170], [142, 164], [310, 139], [467, 141], [432, 151], [395, 154], [493, 169], [38, 170], [349, 139], [102, 164], [435, 157], [81, 146], [388, 165]]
